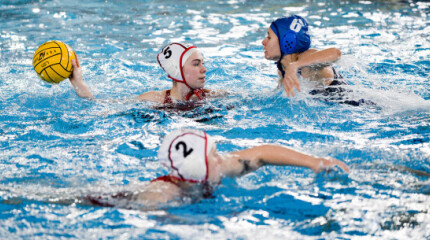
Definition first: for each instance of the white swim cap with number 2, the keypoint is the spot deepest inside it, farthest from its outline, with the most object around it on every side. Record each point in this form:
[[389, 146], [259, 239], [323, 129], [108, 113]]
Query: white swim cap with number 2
[[185, 153]]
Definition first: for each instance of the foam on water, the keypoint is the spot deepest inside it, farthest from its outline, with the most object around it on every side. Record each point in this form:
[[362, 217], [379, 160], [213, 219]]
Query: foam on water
[[56, 148]]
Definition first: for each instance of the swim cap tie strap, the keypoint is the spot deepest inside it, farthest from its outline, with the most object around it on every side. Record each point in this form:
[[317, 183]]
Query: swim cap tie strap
[[198, 92]]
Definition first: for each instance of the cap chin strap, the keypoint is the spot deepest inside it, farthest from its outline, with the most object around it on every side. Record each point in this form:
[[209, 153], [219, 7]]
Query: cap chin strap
[[195, 91], [198, 92], [278, 63]]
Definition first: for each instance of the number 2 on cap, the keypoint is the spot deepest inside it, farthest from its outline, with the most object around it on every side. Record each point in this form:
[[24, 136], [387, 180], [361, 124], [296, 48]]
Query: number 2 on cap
[[185, 151]]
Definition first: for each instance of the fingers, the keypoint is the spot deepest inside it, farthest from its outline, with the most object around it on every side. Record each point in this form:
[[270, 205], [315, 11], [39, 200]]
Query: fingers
[[342, 165], [288, 89], [289, 85], [328, 164], [74, 65], [77, 60], [76, 73], [296, 84], [75, 68]]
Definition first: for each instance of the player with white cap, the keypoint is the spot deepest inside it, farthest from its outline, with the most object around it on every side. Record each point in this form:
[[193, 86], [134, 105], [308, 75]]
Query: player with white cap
[[196, 167], [182, 62]]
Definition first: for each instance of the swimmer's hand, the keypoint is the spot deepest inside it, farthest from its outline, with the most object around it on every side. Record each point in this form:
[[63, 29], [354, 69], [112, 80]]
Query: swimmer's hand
[[329, 164], [290, 80], [78, 82]]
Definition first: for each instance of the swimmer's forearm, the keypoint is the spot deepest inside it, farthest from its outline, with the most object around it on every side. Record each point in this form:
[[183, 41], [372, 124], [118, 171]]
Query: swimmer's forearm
[[282, 156], [278, 155], [78, 82], [273, 155], [328, 55], [82, 89]]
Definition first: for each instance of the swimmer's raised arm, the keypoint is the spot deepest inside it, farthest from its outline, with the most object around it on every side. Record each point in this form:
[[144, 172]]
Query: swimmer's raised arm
[[308, 58], [78, 82], [248, 160], [317, 57]]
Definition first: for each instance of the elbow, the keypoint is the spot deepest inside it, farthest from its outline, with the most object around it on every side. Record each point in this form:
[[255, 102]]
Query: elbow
[[336, 53]]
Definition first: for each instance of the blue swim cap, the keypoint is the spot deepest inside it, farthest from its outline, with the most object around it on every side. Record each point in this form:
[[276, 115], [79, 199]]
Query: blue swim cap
[[292, 33]]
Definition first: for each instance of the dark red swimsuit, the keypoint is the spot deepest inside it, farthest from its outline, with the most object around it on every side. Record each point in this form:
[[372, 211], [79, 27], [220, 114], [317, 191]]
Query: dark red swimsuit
[[200, 93]]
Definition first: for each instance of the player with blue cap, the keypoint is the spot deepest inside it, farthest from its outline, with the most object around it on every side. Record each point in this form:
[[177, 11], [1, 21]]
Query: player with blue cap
[[288, 43]]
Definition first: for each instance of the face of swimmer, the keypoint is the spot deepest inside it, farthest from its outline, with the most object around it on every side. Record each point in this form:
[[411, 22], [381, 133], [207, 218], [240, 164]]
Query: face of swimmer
[[195, 71], [272, 50]]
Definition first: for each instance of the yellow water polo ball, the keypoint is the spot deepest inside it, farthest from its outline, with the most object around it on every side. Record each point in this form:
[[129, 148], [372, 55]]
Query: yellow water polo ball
[[53, 61]]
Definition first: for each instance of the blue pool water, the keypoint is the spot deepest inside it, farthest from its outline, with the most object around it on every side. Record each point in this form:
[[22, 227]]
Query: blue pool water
[[55, 147]]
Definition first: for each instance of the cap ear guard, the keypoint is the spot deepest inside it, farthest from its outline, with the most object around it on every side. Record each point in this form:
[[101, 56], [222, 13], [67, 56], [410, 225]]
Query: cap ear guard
[[288, 42], [191, 168]]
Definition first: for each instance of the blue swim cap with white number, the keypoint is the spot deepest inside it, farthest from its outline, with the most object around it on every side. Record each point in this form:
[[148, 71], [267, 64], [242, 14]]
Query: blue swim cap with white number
[[292, 33]]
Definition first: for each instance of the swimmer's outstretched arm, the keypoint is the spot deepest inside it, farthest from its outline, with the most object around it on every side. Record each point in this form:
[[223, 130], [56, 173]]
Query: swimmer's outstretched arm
[[218, 93], [309, 58], [248, 160], [78, 82]]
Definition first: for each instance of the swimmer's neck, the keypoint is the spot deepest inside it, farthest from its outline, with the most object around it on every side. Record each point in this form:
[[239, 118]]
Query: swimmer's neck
[[179, 91]]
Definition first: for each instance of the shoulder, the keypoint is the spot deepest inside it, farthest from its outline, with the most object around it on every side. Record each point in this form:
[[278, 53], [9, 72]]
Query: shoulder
[[154, 96], [158, 193]]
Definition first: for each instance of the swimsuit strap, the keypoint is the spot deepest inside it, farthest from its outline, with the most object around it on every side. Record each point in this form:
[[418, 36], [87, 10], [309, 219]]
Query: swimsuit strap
[[336, 74], [167, 98], [168, 178], [200, 93], [173, 179]]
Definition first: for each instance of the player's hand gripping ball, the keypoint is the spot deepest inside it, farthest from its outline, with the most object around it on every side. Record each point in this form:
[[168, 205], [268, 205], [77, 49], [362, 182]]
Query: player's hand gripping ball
[[53, 61]]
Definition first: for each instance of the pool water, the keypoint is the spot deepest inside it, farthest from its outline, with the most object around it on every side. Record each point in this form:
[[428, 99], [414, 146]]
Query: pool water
[[56, 147]]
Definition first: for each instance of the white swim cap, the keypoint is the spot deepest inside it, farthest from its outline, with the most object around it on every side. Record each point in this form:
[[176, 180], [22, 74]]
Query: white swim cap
[[173, 57], [185, 153]]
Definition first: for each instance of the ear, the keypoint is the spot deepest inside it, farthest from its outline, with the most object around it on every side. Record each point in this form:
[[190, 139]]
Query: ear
[[193, 168]]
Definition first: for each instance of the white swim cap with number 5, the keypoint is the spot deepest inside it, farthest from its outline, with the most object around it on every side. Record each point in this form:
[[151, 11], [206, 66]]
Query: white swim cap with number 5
[[173, 57], [185, 153]]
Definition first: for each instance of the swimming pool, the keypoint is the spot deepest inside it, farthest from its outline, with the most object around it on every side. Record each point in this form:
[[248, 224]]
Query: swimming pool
[[56, 147]]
